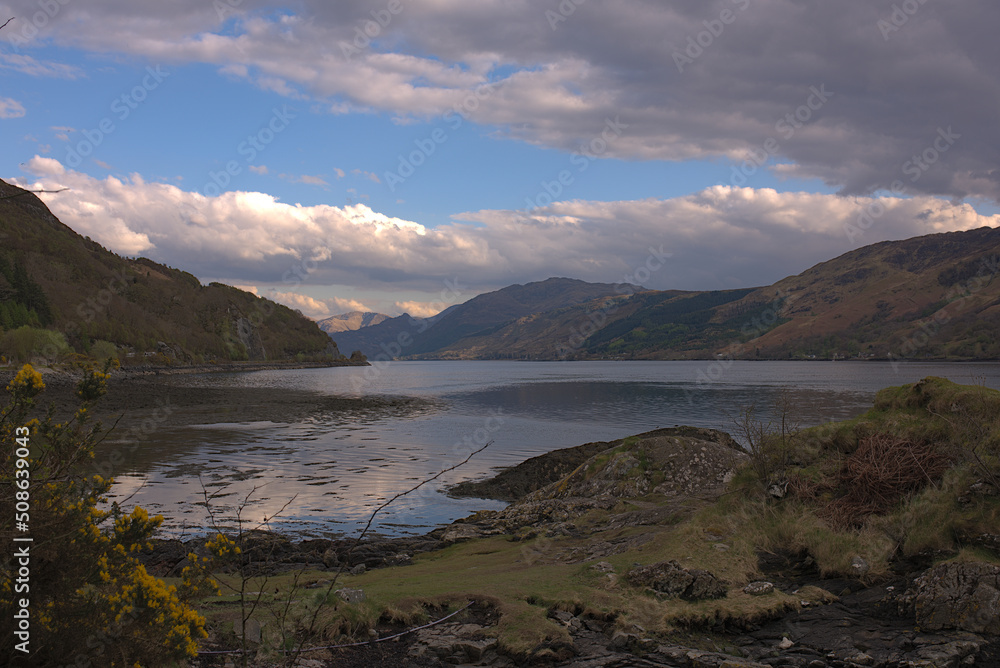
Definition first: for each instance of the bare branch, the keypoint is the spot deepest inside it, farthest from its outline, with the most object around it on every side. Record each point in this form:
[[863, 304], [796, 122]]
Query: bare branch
[[293, 657], [32, 192], [6, 22]]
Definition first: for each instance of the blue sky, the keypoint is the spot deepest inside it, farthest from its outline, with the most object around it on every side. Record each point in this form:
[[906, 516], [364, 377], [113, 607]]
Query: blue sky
[[258, 147]]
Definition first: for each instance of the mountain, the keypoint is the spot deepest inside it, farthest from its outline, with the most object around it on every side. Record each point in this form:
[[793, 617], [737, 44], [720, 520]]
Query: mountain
[[348, 322], [481, 316], [930, 297], [53, 278], [637, 326], [935, 296]]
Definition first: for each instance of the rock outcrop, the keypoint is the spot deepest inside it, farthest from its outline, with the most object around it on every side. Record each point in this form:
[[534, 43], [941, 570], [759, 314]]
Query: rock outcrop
[[670, 579], [963, 596]]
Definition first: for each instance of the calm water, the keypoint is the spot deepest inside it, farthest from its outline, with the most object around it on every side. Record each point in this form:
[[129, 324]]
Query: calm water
[[323, 476]]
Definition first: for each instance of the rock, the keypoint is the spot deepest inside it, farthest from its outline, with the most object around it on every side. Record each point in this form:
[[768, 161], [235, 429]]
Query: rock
[[330, 558], [622, 641], [351, 595], [603, 567], [861, 659], [859, 566], [982, 488], [759, 588], [317, 584], [457, 533], [453, 643], [671, 463], [962, 596], [671, 579], [358, 570], [401, 559], [777, 490], [562, 616], [785, 643], [721, 547]]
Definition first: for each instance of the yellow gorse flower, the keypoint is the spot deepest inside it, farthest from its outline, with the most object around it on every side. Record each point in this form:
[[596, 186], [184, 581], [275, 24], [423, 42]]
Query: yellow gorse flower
[[27, 383]]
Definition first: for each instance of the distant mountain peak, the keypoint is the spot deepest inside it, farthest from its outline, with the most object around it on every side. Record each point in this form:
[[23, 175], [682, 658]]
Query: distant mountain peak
[[351, 321]]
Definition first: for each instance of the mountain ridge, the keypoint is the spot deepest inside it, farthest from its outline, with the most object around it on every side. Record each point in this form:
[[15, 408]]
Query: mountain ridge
[[929, 297]]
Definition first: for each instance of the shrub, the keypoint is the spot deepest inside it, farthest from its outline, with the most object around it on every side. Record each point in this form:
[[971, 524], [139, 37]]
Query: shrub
[[90, 598], [26, 342], [103, 350]]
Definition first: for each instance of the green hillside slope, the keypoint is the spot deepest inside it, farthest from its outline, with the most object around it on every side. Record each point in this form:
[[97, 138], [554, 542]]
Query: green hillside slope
[[51, 277]]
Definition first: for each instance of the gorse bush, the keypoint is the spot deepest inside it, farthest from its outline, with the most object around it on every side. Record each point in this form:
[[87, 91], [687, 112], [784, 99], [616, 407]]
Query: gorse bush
[[91, 601]]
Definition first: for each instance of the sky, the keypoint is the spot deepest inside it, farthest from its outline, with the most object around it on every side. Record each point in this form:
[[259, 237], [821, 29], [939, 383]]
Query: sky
[[404, 155]]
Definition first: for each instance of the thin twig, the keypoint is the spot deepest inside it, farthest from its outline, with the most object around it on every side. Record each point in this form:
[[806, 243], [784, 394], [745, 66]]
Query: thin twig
[[371, 519]]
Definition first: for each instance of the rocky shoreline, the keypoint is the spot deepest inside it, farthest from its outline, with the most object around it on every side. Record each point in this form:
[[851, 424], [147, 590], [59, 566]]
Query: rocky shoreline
[[943, 616]]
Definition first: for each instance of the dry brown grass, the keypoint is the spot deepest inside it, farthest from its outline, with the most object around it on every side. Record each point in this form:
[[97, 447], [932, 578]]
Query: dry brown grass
[[881, 472]]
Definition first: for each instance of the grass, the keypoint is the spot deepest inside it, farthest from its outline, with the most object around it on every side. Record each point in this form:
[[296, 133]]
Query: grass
[[525, 580]]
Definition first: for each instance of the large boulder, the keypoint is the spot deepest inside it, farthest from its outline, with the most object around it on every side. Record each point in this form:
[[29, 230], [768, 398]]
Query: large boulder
[[671, 579], [962, 596], [697, 463]]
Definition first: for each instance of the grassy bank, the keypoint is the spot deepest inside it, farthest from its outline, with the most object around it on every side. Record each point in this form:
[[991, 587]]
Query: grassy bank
[[925, 455]]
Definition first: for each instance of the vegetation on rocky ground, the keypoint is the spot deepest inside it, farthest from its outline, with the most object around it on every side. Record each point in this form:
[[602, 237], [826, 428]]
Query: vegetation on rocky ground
[[925, 457], [910, 483]]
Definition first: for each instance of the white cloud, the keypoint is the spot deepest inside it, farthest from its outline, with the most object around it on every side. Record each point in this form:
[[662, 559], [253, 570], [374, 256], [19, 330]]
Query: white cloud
[[317, 309], [307, 179], [38, 68], [261, 169], [557, 87], [720, 237], [418, 309], [11, 108], [368, 175]]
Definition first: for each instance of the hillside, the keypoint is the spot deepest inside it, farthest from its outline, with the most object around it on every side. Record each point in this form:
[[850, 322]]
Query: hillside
[[51, 277], [480, 318], [930, 297], [348, 322], [934, 296]]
